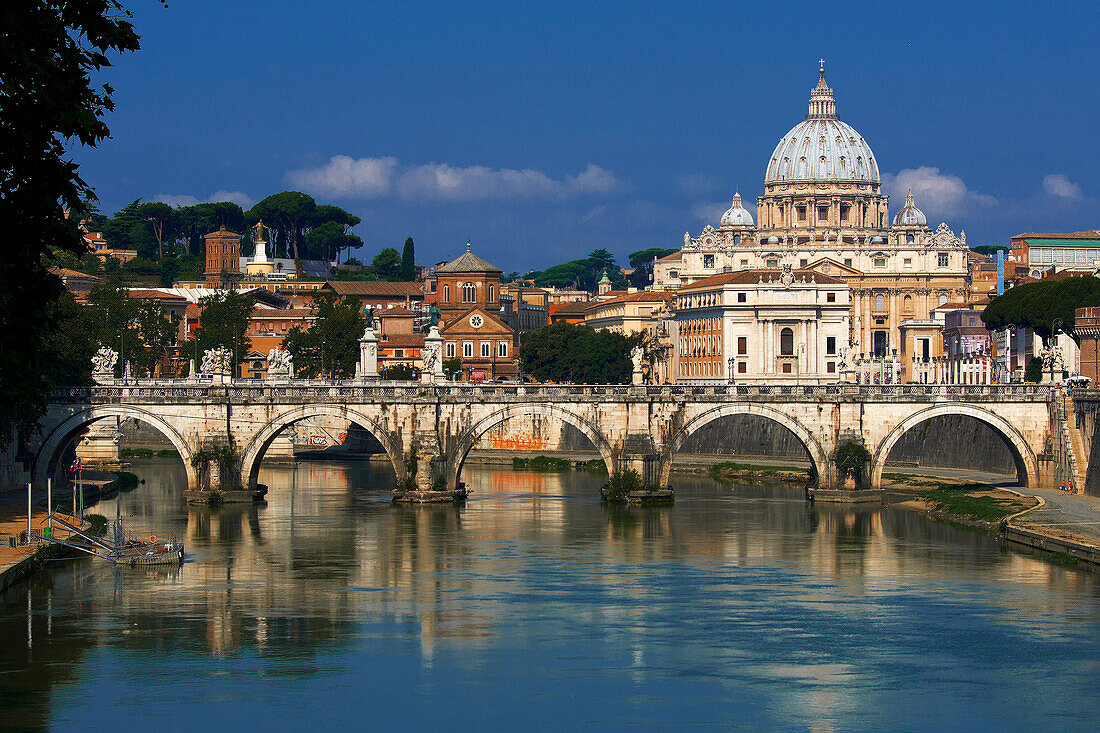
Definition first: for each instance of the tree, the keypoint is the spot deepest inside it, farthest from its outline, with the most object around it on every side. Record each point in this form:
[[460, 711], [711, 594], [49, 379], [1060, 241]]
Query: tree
[[564, 352], [330, 346], [223, 322], [387, 264], [160, 217], [408, 261], [1033, 370], [114, 319], [156, 336], [1043, 306], [452, 365], [290, 212], [329, 214], [990, 249], [326, 241], [642, 264], [850, 459]]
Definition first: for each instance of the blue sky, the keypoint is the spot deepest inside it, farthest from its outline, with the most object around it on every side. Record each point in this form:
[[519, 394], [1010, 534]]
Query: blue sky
[[543, 131]]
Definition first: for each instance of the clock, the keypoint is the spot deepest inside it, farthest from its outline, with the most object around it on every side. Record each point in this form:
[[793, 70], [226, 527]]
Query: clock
[[476, 320]]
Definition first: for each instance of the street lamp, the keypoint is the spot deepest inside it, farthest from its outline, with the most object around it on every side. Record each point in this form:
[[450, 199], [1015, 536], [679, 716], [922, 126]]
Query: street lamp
[[732, 363]]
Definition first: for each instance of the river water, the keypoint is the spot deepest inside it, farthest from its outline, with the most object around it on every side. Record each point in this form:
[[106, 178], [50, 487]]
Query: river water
[[536, 606]]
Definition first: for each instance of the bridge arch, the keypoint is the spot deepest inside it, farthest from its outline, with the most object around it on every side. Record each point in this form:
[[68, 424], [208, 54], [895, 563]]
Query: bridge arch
[[818, 457], [254, 451], [66, 430], [1027, 466], [465, 442]]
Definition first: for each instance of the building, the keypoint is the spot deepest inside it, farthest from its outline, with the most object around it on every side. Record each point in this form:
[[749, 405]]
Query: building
[[569, 312], [223, 255], [524, 308], [630, 313], [1040, 253], [1087, 330], [823, 210], [468, 299], [755, 326], [76, 282], [267, 327], [378, 295]]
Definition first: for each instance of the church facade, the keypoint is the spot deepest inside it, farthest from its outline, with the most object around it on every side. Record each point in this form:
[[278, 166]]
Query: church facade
[[823, 210]]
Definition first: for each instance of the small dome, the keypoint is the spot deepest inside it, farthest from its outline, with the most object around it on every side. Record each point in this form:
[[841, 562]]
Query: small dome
[[910, 215], [773, 239], [737, 215]]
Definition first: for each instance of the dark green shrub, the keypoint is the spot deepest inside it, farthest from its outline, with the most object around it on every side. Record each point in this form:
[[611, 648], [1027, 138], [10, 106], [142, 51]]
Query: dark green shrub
[[621, 483], [850, 459]]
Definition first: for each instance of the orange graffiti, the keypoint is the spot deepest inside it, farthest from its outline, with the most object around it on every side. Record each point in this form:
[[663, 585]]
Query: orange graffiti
[[521, 441]]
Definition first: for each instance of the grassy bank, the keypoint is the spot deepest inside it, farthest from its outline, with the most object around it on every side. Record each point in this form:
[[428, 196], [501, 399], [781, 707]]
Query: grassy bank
[[552, 463], [147, 453], [974, 504], [728, 471]]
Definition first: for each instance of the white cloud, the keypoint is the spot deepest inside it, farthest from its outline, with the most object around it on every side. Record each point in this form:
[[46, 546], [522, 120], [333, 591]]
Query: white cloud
[[1057, 184], [381, 177], [348, 177], [593, 213], [938, 194], [694, 184], [238, 197]]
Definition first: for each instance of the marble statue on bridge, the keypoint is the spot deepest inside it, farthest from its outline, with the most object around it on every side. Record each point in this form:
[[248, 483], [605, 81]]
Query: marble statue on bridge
[[217, 363], [280, 364], [103, 364]]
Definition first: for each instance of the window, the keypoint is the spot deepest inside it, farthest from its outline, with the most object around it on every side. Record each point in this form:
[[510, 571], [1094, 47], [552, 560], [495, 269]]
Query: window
[[492, 293], [907, 304], [446, 293], [879, 262], [880, 303], [502, 349], [943, 298], [803, 262], [801, 212], [844, 208], [742, 297], [908, 238], [830, 367], [848, 261], [772, 263], [742, 367], [830, 345], [708, 260], [907, 263], [398, 352], [450, 349], [469, 294], [737, 239], [468, 349], [786, 342], [830, 297], [742, 345], [486, 350], [744, 264], [971, 320], [823, 212], [674, 273], [942, 259]]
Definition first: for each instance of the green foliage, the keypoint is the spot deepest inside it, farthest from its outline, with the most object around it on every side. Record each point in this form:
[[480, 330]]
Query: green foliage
[[621, 483], [408, 261], [541, 463], [451, 365], [223, 322], [399, 371], [990, 249], [289, 213], [49, 108], [387, 265], [228, 459], [582, 274], [565, 352], [642, 264], [325, 242], [69, 342], [330, 346], [1033, 370], [126, 481], [850, 460], [1043, 305]]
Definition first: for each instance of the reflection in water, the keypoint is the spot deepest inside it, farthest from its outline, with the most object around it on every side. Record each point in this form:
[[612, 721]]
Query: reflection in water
[[535, 604]]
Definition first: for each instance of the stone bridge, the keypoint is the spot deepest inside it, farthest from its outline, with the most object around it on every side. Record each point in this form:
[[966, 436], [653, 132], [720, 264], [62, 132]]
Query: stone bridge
[[434, 427]]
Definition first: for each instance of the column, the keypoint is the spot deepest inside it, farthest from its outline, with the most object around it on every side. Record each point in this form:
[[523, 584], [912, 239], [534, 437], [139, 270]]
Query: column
[[760, 345]]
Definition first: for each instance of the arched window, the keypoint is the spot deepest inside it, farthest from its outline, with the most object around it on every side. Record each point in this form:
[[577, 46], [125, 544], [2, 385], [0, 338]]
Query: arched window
[[492, 293], [907, 304], [446, 293], [737, 239], [786, 342], [943, 298], [880, 303], [468, 293]]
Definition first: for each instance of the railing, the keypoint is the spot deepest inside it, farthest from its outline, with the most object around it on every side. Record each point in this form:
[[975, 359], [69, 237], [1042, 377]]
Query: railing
[[242, 389]]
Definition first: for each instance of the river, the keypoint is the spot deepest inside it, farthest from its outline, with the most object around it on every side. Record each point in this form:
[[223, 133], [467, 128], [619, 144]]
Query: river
[[537, 606]]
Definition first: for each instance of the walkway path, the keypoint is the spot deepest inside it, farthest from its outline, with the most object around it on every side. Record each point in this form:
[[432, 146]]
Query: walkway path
[[1074, 517]]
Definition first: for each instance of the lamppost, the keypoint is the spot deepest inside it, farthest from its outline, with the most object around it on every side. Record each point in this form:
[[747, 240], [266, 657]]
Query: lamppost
[[732, 364], [800, 353]]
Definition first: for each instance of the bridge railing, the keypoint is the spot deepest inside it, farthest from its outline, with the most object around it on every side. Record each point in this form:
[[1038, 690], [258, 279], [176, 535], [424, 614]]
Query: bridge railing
[[395, 390]]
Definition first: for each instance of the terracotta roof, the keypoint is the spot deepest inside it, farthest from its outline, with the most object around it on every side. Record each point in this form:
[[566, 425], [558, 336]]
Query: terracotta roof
[[282, 313], [1091, 234], [646, 296], [391, 312], [577, 307], [403, 340], [467, 262], [157, 294], [376, 288], [954, 307], [66, 272], [752, 277], [674, 257]]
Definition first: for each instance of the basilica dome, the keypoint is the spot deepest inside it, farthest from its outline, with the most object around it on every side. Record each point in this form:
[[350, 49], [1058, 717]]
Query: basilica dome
[[822, 148], [910, 215], [737, 215]]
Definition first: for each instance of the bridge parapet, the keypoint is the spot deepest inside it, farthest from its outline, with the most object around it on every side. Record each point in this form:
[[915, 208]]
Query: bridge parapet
[[313, 390]]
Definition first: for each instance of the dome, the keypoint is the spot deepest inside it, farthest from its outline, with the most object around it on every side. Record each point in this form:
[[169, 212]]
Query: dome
[[737, 215], [822, 148], [910, 215]]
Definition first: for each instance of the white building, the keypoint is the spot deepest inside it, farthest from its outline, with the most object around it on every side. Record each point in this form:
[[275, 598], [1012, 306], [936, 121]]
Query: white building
[[755, 326]]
